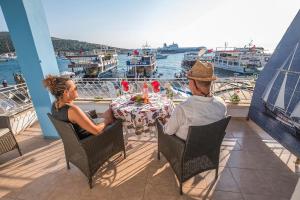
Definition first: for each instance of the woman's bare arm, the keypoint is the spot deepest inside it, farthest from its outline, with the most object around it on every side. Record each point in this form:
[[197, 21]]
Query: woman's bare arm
[[76, 115]]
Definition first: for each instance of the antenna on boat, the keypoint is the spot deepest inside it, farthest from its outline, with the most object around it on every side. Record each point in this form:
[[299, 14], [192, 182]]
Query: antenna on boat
[[250, 43]]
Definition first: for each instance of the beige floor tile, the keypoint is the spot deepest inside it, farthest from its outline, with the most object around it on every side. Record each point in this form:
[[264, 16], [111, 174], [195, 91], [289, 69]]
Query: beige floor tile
[[161, 176], [164, 190], [195, 194], [262, 197], [131, 189], [225, 181], [221, 195], [251, 182], [283, 184], [250, 163], [224, 157]]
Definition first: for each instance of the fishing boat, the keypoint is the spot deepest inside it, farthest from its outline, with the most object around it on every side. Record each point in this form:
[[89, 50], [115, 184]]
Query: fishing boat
[[285, 108], [141, 63], [246, 60], [93, 65], [5, 57]]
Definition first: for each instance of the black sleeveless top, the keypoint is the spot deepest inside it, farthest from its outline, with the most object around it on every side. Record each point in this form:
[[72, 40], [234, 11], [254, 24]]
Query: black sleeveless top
[[62, 114]]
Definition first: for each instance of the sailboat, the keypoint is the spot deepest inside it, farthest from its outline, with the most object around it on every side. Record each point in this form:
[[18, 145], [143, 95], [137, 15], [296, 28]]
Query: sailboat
[[281, 109]]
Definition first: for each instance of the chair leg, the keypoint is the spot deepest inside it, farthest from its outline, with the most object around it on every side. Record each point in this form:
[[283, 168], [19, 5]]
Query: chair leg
[[68, 165], [216, 175], [124, 154], [158, 155], [180, 189], [19, 150], [17, 145], [91, 182]]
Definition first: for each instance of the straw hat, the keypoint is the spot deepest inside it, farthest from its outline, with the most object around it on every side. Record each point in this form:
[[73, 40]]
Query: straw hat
[[202, 71]]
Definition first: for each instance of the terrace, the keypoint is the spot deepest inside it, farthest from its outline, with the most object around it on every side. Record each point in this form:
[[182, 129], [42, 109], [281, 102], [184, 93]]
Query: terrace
[[252, 164]]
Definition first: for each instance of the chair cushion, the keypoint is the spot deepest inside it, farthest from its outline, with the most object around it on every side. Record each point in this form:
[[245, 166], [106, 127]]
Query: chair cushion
[[3, 131]]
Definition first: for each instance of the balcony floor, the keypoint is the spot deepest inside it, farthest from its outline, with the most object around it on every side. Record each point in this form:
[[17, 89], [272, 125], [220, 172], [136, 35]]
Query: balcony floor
[[252, 167]]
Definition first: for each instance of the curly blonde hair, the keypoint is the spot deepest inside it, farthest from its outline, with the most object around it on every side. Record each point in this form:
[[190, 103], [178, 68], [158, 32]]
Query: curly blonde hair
[[56, 85]]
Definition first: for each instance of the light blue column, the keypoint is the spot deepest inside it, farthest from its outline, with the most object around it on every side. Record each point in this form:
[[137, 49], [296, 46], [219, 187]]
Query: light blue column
[[29, 32]]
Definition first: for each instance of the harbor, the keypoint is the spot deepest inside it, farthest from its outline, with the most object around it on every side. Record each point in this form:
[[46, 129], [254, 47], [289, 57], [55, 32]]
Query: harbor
[[146, 100]]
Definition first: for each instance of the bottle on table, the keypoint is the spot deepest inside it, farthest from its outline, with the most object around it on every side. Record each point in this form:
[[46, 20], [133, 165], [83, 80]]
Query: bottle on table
[[145, 92]]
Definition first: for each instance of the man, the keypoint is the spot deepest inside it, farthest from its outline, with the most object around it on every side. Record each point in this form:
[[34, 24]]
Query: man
[[200, 109]]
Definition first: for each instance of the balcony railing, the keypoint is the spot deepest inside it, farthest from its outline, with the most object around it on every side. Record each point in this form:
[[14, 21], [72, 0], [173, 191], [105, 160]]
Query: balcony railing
[[16, 98], [92, 89]]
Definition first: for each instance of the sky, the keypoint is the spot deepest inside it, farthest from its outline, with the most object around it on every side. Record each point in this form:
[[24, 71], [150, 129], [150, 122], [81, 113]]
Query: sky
[[132, 23]]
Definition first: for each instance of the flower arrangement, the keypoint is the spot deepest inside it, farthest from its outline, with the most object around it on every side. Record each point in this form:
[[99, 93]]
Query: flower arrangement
[[155, 86], [125, 86], [139, 99], [235, 97]]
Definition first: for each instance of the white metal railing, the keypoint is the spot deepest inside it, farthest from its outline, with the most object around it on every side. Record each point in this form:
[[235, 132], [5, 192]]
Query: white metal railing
[[107, 88], [14, 98]]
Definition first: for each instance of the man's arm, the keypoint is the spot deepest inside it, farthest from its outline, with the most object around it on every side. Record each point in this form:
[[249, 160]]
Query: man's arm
[[175, 121]]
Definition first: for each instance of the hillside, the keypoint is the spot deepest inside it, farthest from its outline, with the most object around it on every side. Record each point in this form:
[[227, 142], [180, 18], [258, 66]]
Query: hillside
[[58, 44]]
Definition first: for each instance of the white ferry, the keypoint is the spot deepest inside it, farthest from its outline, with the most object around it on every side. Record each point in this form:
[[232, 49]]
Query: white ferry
[[141, 63], [247, 60], [93, 65]]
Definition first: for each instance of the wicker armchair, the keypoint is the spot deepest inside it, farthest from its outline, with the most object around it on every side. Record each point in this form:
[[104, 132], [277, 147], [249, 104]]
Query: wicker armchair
[[8, 141], [90, 153], [199, 153]]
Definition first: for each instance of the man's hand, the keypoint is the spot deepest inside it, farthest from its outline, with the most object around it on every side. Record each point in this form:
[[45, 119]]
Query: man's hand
[[108, 116], [162, 120]]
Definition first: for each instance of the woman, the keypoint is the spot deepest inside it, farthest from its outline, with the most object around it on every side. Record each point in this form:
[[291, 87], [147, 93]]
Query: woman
[[65, 91]]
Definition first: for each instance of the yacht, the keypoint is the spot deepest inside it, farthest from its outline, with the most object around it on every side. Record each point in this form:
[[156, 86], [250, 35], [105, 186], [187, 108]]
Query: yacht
[[246, 60], [141, 63], [93, 65]]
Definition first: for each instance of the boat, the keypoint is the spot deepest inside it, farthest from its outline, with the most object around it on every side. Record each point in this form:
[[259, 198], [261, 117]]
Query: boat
[[161, 56], [285, 108], [246, 60], [174, 48], [141, 63], [190, 58], [5, 57], [93, 65]]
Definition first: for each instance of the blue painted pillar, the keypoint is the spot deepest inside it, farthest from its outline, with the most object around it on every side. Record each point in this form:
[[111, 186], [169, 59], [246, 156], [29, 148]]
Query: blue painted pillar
[[29, 32]]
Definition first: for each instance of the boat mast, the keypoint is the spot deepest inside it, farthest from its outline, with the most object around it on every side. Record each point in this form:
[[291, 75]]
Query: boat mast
[[280, 98], [296, 83], [270, 85]]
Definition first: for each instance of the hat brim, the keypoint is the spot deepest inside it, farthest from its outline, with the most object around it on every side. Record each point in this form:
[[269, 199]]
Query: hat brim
[[213, 78]]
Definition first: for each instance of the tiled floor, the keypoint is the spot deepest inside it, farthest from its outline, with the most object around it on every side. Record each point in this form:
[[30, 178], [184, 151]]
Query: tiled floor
[[253, 167]]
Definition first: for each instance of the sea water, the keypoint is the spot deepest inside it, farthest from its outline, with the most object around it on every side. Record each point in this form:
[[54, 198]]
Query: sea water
[[166, 67]]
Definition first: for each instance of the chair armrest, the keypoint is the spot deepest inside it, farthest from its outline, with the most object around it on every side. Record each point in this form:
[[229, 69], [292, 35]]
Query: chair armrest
[[170, 144], [4, 122], [86, 142]]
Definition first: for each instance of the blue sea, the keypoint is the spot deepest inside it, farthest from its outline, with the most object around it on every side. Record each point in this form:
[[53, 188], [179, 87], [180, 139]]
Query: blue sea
[[167, 67]]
